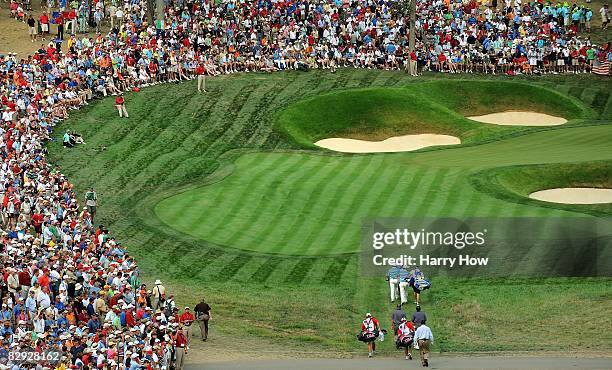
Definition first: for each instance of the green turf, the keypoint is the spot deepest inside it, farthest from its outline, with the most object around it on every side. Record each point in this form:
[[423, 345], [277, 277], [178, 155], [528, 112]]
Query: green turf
[[176, 141], [437, 107], [306, 204]]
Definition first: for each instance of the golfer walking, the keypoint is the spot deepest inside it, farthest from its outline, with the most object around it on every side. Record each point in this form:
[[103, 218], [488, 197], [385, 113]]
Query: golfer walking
[[423, 337], [202, 313]]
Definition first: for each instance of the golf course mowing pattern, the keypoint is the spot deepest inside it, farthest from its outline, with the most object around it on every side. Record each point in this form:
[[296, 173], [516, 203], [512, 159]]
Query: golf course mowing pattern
[[177, 142], [304, 204]]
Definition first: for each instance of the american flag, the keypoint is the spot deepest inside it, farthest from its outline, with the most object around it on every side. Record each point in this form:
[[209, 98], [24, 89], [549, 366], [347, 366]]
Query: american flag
[[602, 68]]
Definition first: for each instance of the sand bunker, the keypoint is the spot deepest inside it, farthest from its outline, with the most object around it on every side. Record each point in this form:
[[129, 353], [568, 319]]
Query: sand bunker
[[520, 119], [574, 195], [403, 143]]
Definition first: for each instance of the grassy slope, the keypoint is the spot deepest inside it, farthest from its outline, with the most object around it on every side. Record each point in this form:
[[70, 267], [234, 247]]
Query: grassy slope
[[435, 107], [175, 139]]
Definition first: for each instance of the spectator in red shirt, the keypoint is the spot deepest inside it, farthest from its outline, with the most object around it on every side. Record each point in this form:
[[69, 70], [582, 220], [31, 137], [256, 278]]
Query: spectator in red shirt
[[44, 25], [37, 220], [201, 71], [180, 341], [120, 104], [187, 319]]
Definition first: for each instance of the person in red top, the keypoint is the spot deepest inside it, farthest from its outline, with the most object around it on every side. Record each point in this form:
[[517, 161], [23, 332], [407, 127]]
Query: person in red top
[[130, 321], [405, 336], [44, 25], [370, 326], [412, 64], [120, 104], [201, 72], [187, 318], [180, 343], [24, 279], [44, 279], [37, 220]]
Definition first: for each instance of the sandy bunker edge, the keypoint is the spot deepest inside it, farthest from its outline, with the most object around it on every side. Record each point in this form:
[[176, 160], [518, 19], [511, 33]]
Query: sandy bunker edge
[[519, 118], [574, 195], [404, 143]]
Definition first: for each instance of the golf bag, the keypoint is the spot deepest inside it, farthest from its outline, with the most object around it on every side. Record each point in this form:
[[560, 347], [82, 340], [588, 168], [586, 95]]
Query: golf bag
[[422, 284], [419, 281], [368, 336], [404, 341]]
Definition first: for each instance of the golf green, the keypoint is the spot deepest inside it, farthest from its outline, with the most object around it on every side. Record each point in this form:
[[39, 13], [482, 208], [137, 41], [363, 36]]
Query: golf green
[[307, 204]]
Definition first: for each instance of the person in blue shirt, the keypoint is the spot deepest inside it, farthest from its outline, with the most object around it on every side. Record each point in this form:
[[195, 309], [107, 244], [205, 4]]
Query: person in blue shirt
[[68, 143], [7, 331], [94, 324], [6, 313]]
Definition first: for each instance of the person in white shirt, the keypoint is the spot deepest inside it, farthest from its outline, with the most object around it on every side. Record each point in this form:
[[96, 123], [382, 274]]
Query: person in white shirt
[[423, 338], [42, 298]]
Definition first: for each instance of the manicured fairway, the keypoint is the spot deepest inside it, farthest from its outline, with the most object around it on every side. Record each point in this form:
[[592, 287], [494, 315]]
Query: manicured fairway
[[255, 218], [308, 204]]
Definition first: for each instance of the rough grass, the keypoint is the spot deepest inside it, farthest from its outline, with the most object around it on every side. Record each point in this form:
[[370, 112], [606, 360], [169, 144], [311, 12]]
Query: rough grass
[[175, 140], [437, 107]]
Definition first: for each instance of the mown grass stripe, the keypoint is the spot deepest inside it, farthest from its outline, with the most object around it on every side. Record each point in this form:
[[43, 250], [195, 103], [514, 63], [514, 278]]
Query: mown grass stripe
[[334, 207], [363, 202], [264, 271], [366, 175], [448, 192], [399, 178], [324, 208], [400, 209], [365, 183], [229, 270], [430, 192], [273, 183], [137, 149], [300, 270], [231, 205], [274, 231], [354, 162], [323, 175], [335, 270], [457, 196]]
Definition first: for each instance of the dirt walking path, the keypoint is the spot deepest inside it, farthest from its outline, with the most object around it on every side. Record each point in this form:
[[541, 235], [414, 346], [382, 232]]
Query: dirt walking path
[[436, 362]]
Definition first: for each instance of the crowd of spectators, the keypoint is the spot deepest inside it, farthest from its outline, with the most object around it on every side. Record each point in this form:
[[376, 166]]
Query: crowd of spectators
[[453, 36], [68, 286]]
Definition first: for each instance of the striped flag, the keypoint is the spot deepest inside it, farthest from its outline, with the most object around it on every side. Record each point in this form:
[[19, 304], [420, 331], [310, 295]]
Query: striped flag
[[602, 68]]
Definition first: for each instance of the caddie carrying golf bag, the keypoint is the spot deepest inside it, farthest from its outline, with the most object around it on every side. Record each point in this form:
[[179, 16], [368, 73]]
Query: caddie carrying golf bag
[[368, 336], [404, 341], [419, 281]]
